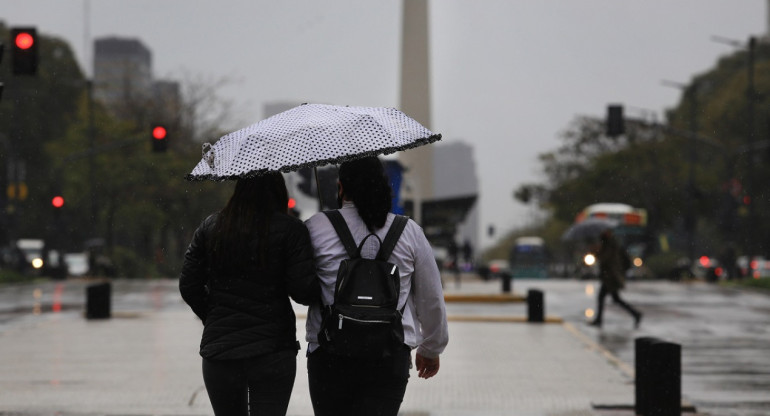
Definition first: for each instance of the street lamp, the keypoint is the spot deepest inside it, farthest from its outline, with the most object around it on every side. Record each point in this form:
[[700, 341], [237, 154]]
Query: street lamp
[[691, 218]]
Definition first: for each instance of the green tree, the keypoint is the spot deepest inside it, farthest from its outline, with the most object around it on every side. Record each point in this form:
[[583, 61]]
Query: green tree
[[705, 159], [34, 110], [140, 206]]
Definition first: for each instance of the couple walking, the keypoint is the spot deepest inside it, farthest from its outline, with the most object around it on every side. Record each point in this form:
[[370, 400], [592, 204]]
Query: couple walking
[[245, 262]]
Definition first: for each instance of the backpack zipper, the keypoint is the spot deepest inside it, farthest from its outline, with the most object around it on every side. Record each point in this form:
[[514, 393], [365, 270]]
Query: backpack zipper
[[364, 321]]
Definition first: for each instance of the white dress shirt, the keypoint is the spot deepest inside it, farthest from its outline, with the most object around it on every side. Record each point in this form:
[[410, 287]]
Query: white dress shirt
[[424, 320]]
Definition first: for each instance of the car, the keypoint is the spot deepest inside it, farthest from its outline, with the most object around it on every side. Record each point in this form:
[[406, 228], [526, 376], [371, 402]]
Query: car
[[77, 263], [494, 269], [758, 268], [708, 268]]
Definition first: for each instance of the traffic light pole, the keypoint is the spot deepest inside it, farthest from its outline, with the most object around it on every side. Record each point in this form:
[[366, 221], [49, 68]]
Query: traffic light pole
[[752, 191], [91, 161]]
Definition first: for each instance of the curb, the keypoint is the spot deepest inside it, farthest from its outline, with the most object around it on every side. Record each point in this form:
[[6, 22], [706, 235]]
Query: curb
[[628, 370], [482, 298]]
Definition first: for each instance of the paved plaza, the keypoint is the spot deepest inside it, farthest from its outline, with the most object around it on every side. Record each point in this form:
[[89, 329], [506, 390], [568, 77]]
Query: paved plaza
[[144, 361]]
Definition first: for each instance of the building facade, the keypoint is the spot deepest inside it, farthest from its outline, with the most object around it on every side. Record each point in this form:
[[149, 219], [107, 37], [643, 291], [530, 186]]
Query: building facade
[[122, 72]]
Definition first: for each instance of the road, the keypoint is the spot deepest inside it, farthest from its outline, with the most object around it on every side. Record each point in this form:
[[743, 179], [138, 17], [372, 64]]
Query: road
[[723, 332]]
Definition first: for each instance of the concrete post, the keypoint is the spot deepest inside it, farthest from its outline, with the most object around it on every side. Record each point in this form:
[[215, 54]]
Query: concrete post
[[98, 301], [658, 377], [535, 306]]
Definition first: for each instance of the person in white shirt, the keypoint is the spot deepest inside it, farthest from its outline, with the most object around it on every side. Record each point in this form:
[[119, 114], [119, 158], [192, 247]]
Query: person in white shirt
[[342, 386]]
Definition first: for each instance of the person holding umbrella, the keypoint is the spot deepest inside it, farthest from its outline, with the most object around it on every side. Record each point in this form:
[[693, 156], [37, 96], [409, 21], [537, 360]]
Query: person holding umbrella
[[313, 135], [611, 274], [352, 386], [239, 271]]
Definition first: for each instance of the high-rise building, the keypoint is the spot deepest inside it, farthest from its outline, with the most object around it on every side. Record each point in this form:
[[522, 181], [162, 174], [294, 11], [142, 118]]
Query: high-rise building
[[122, 72]]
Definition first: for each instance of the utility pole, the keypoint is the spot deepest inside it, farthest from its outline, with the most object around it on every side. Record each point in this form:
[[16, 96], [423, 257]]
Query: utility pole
[[691, 219], [752, 190], [91, 160]]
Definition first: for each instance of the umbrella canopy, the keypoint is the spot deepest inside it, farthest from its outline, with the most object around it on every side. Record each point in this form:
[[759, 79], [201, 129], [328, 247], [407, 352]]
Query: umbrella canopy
[[310, 135], [588, 228]]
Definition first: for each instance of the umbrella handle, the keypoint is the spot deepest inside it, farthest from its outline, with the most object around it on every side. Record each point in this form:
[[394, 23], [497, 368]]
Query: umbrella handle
[[318, 189]]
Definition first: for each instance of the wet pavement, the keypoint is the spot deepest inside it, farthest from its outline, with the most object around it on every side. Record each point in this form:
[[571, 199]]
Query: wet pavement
[[144, 360], [724, 334]]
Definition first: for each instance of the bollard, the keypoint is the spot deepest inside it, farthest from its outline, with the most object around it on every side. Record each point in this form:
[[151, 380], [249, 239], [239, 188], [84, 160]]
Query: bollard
[[643, 367], [658, 377], [506, 279], [535, 306], [98, 301]]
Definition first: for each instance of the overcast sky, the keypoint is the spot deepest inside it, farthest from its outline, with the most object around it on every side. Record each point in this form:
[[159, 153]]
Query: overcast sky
[[507, 75]]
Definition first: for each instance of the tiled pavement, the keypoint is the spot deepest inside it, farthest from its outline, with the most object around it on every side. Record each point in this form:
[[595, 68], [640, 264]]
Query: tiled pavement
[[145, 362]]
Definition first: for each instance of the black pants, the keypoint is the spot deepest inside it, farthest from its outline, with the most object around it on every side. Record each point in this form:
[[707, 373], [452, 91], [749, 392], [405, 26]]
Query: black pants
[[342, 386], [603, 292], [253, 386]]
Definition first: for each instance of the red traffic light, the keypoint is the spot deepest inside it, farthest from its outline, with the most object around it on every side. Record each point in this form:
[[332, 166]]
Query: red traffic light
[[57, 201], [24, 40], [158, 132], [24, 50]]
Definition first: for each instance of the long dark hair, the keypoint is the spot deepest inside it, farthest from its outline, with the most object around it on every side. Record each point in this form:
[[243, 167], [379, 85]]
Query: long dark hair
[[364, 182], [245, 216]]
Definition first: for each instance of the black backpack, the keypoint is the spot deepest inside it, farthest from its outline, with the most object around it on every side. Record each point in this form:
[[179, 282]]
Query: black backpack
[[364, 321]]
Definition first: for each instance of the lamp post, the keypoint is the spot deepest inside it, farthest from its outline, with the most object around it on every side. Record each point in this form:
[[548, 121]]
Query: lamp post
[[691, 216]]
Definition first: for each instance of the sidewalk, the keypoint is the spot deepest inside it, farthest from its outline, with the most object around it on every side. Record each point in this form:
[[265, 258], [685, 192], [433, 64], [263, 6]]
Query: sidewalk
[[146, 363]]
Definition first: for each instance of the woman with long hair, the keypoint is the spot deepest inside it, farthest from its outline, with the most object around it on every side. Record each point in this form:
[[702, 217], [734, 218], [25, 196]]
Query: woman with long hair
[[241, 268], [348, 386]]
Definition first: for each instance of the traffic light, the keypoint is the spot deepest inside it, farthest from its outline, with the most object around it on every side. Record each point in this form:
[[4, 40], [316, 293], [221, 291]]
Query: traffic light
[[615, 124], [57, 201], [24, 50], [159, 137]]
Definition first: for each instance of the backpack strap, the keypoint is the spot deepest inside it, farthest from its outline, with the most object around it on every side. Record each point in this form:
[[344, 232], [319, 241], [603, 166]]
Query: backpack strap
[[341, 227], [391, 238]]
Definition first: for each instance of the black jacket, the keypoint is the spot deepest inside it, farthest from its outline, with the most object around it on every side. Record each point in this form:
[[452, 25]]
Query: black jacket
[[248, 313]]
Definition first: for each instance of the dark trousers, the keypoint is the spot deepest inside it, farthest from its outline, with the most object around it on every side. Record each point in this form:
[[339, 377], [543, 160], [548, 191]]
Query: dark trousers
[[603, 292], [342, 386], [253, 386]]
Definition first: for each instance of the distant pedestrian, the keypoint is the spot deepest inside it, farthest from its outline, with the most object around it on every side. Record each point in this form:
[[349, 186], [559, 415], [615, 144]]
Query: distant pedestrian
[[353, 386], [468, 254], [729, 260], [239, 271], [454, 261], [612, 276]]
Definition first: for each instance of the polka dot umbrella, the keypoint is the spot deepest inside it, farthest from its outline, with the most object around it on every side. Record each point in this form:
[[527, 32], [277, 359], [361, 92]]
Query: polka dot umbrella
[[309, 135]]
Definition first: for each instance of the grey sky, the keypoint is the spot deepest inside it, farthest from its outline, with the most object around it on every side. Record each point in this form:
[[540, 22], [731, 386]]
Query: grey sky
[[507, 76]]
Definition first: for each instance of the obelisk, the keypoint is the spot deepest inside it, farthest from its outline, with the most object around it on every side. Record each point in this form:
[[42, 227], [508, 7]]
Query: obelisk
[[415, 100]]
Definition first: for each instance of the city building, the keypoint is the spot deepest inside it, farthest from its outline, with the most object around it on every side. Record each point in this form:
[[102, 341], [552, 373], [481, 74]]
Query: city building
[[122, 72], [456, 187]]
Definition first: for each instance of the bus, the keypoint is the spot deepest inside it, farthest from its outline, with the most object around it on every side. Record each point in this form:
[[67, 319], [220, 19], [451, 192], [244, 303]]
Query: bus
[[632, 222], [631, 229], [529, 258]]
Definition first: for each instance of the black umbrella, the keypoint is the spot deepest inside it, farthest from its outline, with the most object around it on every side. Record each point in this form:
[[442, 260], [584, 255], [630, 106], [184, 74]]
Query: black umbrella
[[588, 228]]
